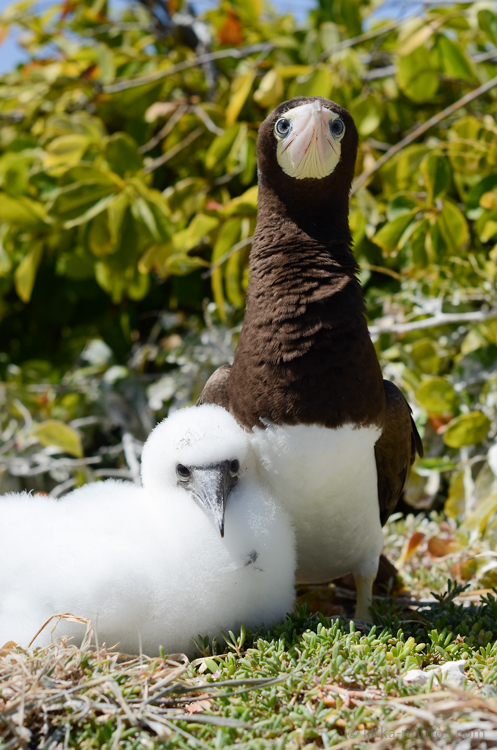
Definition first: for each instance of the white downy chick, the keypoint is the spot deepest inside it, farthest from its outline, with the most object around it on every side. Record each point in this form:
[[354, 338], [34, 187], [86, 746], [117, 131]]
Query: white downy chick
[[150, 565]]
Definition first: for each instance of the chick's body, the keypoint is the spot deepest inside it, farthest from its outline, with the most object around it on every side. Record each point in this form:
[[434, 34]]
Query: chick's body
[[147, 564]]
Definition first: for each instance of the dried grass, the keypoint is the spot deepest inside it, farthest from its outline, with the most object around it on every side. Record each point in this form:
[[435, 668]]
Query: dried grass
[[46, 692]]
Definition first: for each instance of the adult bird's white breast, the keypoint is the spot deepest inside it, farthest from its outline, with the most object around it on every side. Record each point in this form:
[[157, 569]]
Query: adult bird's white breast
[[326, 480]]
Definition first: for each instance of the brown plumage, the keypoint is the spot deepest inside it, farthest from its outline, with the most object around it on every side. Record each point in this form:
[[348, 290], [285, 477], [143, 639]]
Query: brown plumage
[[305, 355]]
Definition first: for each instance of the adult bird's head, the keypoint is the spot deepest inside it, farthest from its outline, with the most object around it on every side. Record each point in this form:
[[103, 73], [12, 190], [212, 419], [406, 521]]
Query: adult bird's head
[[306, 155], [201, 451]]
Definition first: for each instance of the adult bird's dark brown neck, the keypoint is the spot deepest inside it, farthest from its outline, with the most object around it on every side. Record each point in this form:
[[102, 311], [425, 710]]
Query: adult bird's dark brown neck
[[304, 354]]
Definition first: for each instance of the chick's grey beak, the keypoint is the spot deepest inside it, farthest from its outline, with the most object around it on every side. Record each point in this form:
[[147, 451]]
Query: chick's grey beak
[[210, 486]]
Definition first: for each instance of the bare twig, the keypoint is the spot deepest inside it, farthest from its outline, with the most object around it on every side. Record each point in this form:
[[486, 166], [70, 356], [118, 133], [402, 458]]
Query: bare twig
[[60, 463], [164, 131], [116, 26], [382, 269], [28, 419], [209, 124], [130, 456], [85, 421], [119, 473], [156, 163], [389, 70], [422, 129], [63, 487], [360, 38], [238, 54], [478, 316]]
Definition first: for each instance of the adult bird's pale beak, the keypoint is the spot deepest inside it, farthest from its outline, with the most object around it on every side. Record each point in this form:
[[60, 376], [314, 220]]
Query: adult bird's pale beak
[[210, 486], [309, 149]]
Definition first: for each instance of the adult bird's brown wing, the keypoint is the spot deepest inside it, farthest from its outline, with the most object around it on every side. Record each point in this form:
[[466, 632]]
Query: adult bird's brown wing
[[396, 449], [215, 390]]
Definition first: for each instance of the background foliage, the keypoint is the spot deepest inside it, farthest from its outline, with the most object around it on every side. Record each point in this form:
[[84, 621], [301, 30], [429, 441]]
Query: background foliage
[[128, 200]]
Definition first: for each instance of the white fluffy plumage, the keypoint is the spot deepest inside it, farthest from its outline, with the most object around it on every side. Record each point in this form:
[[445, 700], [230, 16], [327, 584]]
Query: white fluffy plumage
[[148, 564]]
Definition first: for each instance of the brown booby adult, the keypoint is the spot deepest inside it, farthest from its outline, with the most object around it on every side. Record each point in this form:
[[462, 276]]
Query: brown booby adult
[[335, 440]]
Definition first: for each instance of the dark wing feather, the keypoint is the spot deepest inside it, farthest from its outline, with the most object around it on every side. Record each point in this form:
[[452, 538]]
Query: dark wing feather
[[396, 449], [215, 390]]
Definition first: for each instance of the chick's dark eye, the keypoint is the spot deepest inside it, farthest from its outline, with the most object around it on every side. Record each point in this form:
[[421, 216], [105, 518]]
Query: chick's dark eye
[[283, 126], [337, 127], [234, 467], [183, 473]]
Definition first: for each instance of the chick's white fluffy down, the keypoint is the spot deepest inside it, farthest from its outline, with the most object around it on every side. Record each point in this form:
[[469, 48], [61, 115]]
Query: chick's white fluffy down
[[147, 565]]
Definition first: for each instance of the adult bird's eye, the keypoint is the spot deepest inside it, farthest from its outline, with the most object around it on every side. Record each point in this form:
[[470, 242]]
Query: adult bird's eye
[[234, 467], [337, 127], [283, 127], [183, 473]]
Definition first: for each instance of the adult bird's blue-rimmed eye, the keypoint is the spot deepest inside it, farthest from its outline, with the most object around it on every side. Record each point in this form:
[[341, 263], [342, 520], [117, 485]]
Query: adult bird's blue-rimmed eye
[[337, 127], [234, 467], [183, 473], [283, 127]]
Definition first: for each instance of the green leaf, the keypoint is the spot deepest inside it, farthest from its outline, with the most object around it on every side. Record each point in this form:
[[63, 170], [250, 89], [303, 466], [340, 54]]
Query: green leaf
[[233, 270], [416, 76], [453, 60], [22, 212], [270, 89], [80, 123], [390, 235], [122, 154], [116, 211], [425, 353], [228, 235], [14, 171], [318, 83], [489, 200], [436, 173], [186, 198], [25, 273], [487, 22], [5, 260], [55, 432], [401, 203], [106, 63], [489, 230], [200, 226], [76, 264], [238, 150], [417, 244], [79, 202], [90, 212], [241, 89], [180, 264], [453, 226], [249, 161], [66, 150], [99, 237], [89, 174], [142, 212], [424, 466], [467, 429], [252, 9], [350, 10], [437, 396], [366, 113], [220, 147], [415, 34], [456, 501], [244, 204]]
